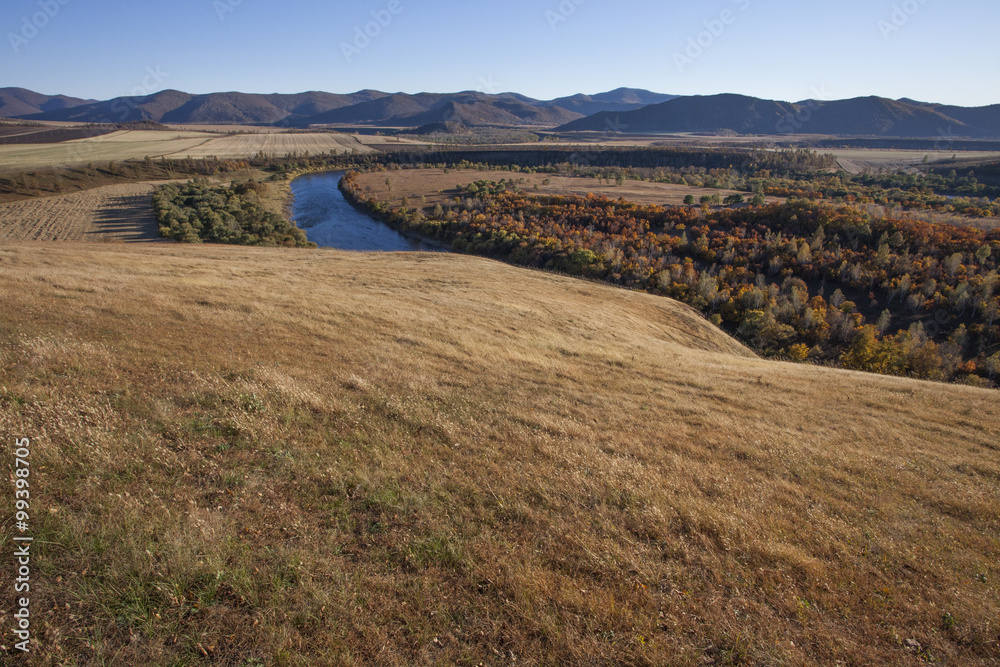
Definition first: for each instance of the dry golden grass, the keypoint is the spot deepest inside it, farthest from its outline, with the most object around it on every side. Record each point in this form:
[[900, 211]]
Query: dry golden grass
[[113, 147], [858, 160], [142, 137], [137, 144], [278, 145], [256, 457], [439, 186]]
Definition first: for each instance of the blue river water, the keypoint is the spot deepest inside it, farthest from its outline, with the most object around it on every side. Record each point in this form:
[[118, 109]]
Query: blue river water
[[330, 221]]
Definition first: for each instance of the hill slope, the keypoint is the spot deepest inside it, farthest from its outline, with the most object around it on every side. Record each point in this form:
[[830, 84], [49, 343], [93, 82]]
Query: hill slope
[[250, 456], [22, 102], [122, 109], [620, 99], [469, 108]]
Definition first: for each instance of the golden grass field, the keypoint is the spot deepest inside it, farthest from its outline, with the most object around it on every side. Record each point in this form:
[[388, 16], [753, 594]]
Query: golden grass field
[[137, 144], [858, 160], [249, 145], [247, 456], [105, 148], [438, 186]]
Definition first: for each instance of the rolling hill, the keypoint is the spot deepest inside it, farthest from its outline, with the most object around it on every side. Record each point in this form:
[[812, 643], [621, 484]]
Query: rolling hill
[[880, 117], [468, 108], [279, 456], [620, 99], [502, 112], [121, 109], [864, 116], [21, 102]]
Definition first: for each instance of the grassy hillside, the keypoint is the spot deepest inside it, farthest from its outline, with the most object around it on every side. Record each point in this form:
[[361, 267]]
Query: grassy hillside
[[252, 456]]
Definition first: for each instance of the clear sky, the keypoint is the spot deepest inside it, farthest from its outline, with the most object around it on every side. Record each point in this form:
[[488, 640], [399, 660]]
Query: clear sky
[[931, 50]]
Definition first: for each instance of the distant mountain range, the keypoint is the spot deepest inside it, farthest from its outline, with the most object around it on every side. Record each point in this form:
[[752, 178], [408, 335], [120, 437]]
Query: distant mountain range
[[862, 116], [625, 110], [365, 107]]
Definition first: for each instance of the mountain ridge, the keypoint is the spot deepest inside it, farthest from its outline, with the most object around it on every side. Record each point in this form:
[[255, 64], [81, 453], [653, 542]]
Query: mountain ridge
[[859, 116], [471, 108], [619, 111]]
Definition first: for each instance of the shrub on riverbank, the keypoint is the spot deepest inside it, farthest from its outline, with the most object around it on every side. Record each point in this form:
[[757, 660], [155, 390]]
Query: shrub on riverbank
[[198, 212]]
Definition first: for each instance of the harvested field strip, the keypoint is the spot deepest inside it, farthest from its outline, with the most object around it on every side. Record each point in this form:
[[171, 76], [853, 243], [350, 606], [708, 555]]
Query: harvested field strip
[[249, 145], [51, 136], [82, 152], [116, 212], [143, 136]]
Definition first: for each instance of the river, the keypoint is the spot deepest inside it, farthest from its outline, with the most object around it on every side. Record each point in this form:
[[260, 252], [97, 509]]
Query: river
[[330, 221]]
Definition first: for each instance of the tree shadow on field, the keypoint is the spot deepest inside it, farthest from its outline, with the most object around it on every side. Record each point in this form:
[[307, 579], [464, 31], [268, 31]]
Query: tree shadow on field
[[129, 219]]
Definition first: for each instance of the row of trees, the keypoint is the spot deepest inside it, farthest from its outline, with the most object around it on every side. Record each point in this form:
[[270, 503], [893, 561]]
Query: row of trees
[[801, 280]]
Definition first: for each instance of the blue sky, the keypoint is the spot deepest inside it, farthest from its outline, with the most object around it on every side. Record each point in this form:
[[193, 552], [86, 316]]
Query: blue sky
[[779, 49]]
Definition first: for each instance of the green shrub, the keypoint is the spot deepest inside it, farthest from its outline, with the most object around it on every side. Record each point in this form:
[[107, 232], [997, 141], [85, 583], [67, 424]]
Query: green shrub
[[198, 212]]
